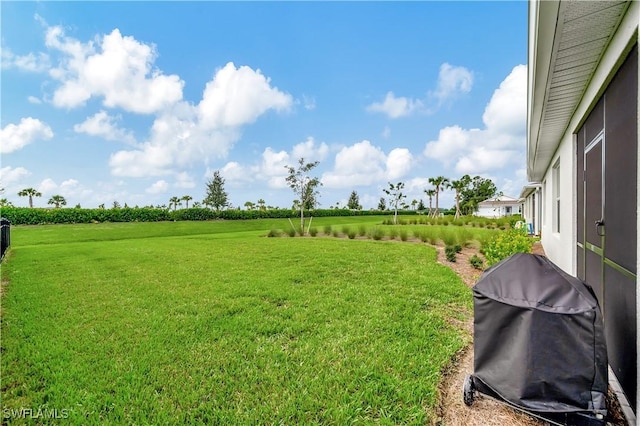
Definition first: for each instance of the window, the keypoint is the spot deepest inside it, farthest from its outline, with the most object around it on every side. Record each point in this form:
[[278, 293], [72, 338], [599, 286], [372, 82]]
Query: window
[[555, 182]]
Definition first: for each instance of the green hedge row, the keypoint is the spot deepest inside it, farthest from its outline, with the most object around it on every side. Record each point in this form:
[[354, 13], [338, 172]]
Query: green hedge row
[[38, 216]]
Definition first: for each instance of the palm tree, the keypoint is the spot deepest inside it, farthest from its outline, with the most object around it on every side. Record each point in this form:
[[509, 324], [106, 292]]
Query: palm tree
[[174, 201], [186, 199], [249, 205], [439, 182], [5, 203], [458, 186], [57, 201], [29, 192], [261, 204], [430, 193]]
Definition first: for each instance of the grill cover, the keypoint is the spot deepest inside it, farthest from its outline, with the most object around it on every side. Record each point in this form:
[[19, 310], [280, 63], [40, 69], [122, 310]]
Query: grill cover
[[539, 339]]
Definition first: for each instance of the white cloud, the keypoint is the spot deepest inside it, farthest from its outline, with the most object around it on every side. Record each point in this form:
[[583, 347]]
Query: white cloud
[[11, 176], [309, 102], [500, 143], [452, 81], [364, 164], [34, 100], [504, 113], [395, 107], [47, 187], [184, 180], [310, 151], [30, 62], [272, 168], [158, 187], [117, 68], [386, 133], [103, 125], [238, 96], [398, 163], [185, 134], [233, 173], [15, 137]]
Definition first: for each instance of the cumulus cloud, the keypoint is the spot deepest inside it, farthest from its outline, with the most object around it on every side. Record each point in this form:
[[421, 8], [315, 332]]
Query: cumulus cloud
[[31, 62], [47, 186], [105, 126], [115, 67], [398, 163], [184, 180], [14, 137], [233, 172], [395, 107], [238, 96], [11, 176], [272, 167], [310, 151], [158, 187], [452, 81], [186, 133], [364, 164], [499, 143]]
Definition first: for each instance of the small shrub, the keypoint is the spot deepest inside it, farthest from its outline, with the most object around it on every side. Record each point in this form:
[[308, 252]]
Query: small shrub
[[376, 233], [450, 253], [335, 233], [313, 232], [393, 233], [345, 229], [505, 244], [362, 230], [457, 248], [476, 262], [291, 232], [404, 235], [351, 234], [327, 230], [274, 233]]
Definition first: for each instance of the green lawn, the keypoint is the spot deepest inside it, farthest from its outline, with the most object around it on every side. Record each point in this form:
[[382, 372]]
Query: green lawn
[[212, 322]]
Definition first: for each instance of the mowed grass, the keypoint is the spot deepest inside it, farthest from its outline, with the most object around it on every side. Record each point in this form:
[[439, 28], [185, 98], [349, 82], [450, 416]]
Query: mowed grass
[[215, 323]]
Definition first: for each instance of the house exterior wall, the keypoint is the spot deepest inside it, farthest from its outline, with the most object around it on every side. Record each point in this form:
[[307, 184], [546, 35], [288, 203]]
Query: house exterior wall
[[560, 246]]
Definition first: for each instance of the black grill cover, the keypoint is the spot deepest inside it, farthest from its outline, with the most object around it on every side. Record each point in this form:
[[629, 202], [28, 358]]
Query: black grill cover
[[539, 340]]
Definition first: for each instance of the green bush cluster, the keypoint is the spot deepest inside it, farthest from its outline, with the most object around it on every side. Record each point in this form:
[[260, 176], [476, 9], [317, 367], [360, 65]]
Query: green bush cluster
[[38, 216], [505, 244]]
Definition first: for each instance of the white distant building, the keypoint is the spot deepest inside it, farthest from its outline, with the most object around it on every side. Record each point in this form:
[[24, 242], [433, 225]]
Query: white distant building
[[500, 206]]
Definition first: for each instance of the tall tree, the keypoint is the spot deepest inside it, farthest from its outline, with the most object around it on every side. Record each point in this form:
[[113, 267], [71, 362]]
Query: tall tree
[[186, 199], [458, 186], [430, 193], [395, 192], [57, 201], [421, 205], [216, 195], [354, 201], [174, 201], [29, 192], [439, 183], [249, 205], [477, 189], [262, 204], [303, 185], [382, 204]]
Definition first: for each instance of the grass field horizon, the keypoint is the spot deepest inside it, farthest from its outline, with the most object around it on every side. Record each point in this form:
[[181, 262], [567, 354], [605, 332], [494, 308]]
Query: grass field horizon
[[212, 322]]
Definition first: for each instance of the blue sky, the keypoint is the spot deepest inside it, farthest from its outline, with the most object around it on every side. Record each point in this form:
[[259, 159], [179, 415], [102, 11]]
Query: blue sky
[[137, 102]]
